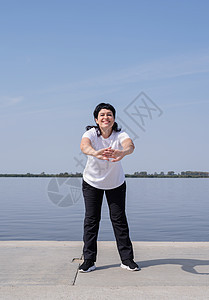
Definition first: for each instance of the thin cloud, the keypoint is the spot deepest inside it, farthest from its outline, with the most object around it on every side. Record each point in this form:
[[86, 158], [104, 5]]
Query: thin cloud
[[183, 104], [10, 101], [164, 68]]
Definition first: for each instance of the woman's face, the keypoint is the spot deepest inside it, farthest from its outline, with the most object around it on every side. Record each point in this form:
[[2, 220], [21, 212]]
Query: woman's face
[[105, 119]]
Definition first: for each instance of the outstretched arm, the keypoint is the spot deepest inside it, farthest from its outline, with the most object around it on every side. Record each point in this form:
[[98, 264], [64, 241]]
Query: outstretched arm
[[86, 148], [128, 148]]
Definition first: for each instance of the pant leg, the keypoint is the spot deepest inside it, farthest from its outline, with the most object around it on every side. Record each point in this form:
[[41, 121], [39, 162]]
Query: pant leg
[[116, 202], [93, 203]]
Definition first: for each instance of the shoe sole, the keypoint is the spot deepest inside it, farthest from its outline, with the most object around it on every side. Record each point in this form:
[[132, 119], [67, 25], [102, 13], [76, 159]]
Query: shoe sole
[[89, 270], [129, 269]]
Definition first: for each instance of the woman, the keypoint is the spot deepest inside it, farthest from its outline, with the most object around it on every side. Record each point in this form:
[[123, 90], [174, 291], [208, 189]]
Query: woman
[[105, 146]]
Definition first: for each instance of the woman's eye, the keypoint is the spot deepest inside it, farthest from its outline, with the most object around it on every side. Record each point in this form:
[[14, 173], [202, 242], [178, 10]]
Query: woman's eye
[[108, 115]]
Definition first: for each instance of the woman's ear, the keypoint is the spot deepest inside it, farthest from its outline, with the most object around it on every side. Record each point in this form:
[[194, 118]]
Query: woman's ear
[[96, 121]]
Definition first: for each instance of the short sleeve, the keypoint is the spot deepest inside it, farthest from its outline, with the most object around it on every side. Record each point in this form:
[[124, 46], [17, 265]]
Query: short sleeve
[[89, 134], [122, 136]]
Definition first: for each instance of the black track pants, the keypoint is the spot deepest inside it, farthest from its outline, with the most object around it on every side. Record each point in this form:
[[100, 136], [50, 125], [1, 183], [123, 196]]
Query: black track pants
[[116, 202]]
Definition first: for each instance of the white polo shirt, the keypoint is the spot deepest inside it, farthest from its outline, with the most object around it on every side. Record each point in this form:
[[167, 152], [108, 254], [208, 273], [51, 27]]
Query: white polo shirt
[[104, 174]]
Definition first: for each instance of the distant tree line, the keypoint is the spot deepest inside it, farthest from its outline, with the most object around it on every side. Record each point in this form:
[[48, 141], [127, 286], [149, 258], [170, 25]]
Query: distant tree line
[[144, 174], [66, 174], [170, 174]]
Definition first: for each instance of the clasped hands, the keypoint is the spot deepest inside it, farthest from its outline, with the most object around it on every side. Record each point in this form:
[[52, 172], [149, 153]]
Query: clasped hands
[[107, 153]]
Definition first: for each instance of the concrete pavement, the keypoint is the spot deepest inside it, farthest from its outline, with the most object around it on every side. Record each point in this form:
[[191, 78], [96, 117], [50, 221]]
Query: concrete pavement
[[49, 270]]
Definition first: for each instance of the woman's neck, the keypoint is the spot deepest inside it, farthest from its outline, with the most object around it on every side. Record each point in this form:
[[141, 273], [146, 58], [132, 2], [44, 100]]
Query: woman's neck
[[106, 133]]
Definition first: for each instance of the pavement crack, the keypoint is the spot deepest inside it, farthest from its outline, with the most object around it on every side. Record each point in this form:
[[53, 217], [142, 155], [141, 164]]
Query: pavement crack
[[76, 274]]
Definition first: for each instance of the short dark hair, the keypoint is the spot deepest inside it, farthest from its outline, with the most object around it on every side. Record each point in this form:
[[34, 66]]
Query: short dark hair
[[96, 112], [103, 106]]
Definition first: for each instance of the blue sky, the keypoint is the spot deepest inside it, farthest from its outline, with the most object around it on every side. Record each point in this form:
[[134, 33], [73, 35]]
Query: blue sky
[[59, 59]]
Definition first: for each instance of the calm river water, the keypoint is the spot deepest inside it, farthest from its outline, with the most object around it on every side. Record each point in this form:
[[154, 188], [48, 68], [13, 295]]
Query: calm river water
[[167, 209]]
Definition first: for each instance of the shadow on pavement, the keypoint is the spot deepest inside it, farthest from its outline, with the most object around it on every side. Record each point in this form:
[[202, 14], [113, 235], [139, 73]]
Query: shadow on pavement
[[187, 265]]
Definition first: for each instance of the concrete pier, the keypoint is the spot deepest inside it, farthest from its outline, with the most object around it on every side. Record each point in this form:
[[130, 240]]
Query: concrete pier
[[49, 270]]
